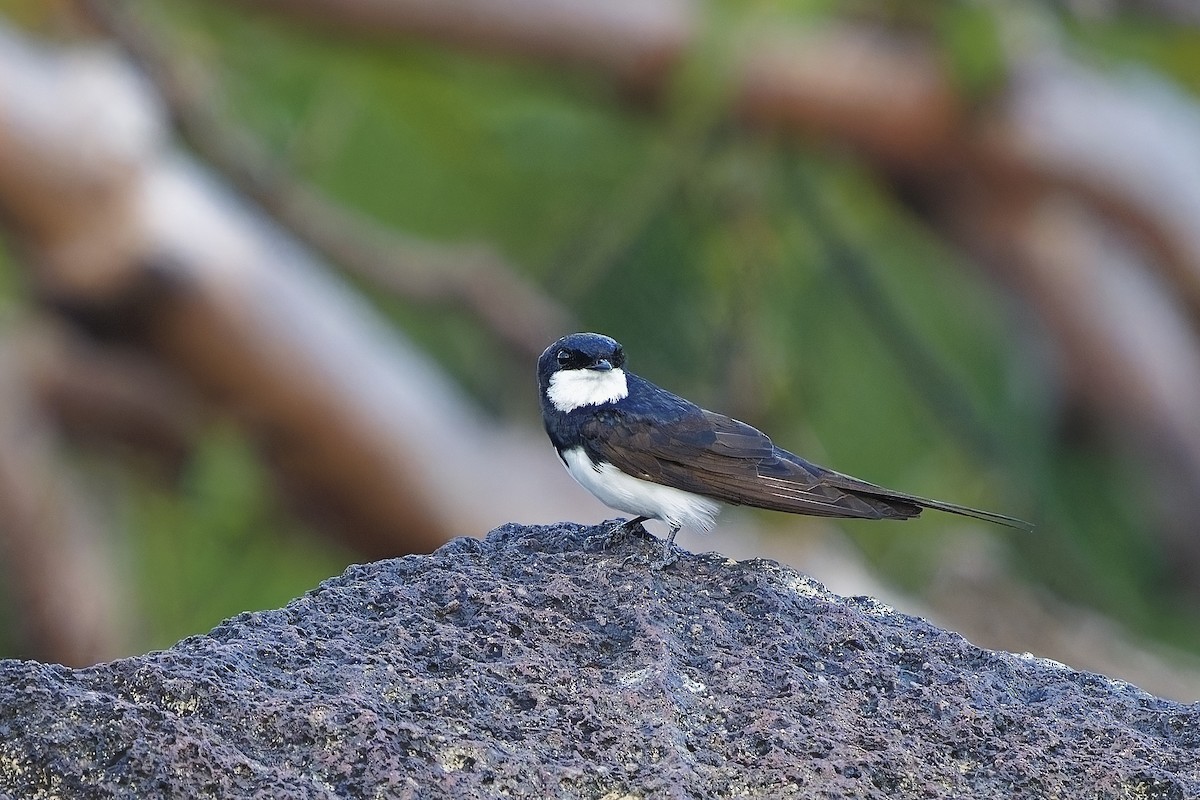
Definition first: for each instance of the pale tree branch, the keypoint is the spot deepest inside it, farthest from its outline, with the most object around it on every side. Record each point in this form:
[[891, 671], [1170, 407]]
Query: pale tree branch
[[1081, 192], [357, 422], [637, 42], [114, 398], [473, 278], [56, 552], [1122, 143]]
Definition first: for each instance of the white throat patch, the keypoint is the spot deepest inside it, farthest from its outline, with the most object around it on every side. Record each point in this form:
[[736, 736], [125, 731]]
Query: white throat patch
[[570, 389]]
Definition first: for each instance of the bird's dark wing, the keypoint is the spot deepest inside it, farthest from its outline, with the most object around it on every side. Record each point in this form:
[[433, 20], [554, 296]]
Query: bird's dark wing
[[713, 455], [719, 457]]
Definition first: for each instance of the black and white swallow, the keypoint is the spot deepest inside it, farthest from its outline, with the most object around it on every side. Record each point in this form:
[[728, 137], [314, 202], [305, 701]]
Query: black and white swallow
[[645, 451]]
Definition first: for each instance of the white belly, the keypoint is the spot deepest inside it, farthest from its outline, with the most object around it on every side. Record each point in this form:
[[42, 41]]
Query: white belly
[[638, 497]]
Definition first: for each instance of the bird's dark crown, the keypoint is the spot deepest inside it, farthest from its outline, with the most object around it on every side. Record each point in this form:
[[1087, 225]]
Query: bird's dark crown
[[580, 351]]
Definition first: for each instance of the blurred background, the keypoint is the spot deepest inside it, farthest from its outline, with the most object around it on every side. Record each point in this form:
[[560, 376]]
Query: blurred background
[[274, 275]]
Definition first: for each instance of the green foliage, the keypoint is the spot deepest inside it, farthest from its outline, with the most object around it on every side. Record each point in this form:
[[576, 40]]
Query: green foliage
[[12, 288], [969, 36], [436, 143], [1143, 42], [217, 545]]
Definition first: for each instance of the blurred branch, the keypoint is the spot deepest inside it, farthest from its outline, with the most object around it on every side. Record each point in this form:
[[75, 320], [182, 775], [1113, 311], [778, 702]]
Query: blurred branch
[[55, 554], [1121, 149], [474, 278], [1116, 281], [1126, 342], [638, 42], [1126, 147], [883, 93], [888, 95], [1125, 144], [1056, 124], [113, 397], [130, 235]]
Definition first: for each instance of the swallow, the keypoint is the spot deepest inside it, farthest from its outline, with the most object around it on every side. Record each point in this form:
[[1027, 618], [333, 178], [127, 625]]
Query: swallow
[[647, 452]]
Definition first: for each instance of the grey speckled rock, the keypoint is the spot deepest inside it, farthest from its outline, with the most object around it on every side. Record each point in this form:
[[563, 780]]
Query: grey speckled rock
[[528, 665]]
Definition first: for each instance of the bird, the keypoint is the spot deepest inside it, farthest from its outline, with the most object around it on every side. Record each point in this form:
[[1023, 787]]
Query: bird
[[647, 452]]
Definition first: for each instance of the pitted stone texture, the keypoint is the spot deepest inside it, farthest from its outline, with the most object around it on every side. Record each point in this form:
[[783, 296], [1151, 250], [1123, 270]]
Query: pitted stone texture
[[533, 664]]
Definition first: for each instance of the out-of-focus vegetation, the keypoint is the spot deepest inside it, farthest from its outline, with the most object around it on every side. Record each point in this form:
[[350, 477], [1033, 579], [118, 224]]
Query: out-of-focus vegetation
[[772, 279], [217, 544]]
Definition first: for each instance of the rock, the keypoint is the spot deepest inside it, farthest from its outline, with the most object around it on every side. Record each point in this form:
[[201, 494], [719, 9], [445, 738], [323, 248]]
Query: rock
[[542, 663]]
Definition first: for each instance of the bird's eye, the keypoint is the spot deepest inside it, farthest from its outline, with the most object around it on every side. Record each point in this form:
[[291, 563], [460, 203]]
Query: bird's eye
[[564, 357], [618, 357]]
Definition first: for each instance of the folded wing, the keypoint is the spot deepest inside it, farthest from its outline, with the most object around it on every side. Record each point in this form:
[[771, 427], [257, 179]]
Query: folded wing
[[713, 455]]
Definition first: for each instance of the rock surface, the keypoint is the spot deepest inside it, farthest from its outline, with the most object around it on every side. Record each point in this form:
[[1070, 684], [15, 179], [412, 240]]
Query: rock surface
[[538, 663]]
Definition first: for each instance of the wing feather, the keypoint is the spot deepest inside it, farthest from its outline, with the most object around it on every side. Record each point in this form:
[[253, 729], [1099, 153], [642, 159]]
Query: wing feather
[[720, 457], [709, 454]]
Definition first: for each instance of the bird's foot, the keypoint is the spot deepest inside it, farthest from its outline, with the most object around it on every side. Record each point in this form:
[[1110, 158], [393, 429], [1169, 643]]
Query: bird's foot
[[667, 558], [630, 527], [617, 533], [669, 555]]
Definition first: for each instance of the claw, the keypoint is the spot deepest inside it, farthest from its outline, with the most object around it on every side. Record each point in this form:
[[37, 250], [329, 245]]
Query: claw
[[634, 526], [621, 530], [616, 533]]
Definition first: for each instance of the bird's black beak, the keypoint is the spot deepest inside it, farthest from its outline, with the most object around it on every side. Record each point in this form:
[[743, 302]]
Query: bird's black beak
[[601, 365]]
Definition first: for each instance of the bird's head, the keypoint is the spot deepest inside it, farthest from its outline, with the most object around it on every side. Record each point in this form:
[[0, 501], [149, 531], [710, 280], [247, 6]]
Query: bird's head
[[582, 369]]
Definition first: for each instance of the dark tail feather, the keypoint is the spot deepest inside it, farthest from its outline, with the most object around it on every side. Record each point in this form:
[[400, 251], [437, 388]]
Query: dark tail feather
[[903, 504], [967, 511]]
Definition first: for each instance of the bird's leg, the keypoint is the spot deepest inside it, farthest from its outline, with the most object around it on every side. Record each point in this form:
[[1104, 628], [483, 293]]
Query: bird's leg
[[668, 557]]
